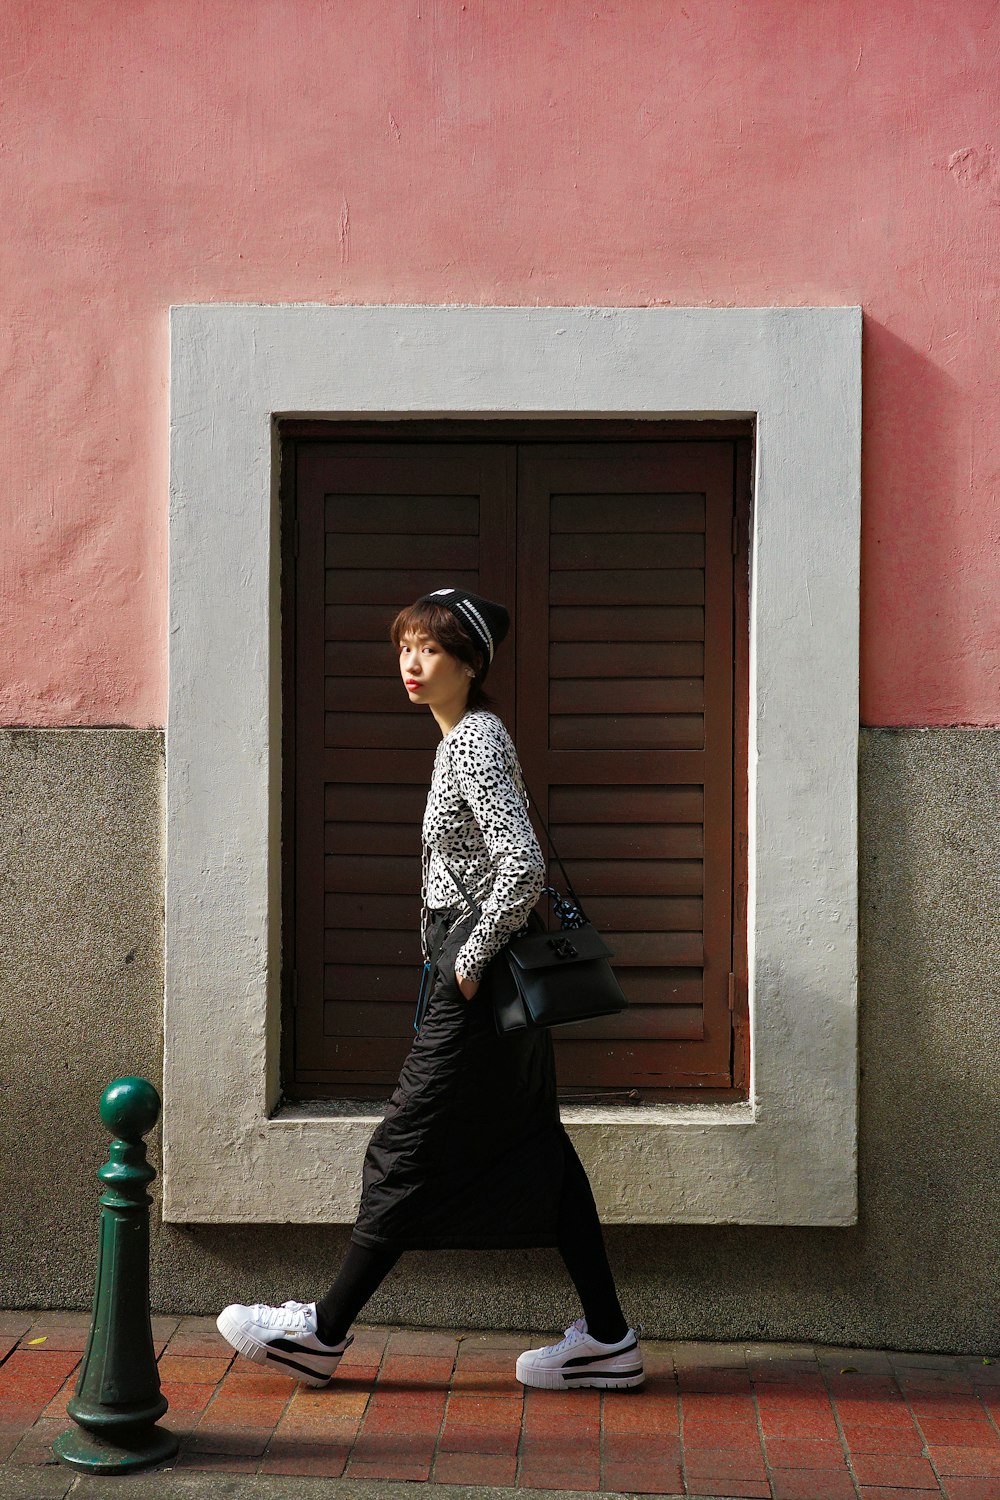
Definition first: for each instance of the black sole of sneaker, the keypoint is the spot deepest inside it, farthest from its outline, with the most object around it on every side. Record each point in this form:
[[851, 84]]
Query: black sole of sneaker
[[263, 1354], [557, 1380]]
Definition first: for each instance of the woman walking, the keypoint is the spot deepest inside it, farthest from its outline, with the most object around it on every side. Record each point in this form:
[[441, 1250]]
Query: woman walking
[[471, 1153]]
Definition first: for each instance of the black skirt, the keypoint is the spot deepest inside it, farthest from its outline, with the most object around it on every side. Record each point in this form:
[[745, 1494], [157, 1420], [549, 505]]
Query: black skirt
[[471, 1151]]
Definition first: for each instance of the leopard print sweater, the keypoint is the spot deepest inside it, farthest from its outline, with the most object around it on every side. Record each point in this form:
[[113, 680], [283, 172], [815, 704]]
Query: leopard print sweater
[[476, 818]]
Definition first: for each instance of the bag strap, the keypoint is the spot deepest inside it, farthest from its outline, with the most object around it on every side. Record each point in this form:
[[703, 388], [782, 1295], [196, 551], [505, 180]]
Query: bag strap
[[477, 909], [565, 875]]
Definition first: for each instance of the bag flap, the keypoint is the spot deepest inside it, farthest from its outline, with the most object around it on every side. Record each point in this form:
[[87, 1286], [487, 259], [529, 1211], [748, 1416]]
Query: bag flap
[[548, 950]]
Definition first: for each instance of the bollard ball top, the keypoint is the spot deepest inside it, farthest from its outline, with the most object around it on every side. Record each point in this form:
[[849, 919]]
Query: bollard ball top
[[130, 1107]]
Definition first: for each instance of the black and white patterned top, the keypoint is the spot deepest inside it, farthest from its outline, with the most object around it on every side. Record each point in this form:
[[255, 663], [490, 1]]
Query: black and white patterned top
[[477, 819]]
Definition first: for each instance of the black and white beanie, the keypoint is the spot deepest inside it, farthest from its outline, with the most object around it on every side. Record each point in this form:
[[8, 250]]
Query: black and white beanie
[[487, 623]]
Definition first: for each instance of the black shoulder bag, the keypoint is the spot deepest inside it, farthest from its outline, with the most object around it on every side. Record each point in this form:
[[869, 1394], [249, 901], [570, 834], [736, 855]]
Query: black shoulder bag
[[551, 978]]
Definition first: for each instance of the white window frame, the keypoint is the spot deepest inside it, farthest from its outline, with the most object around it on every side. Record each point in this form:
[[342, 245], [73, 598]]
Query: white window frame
[[789, 1154]]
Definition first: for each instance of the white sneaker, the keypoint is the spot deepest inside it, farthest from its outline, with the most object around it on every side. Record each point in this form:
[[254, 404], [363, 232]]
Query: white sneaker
[[579, 1360], [284, 1336]]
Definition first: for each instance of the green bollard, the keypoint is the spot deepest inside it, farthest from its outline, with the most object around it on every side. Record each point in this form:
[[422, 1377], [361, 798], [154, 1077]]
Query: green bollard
[[118, 1398]]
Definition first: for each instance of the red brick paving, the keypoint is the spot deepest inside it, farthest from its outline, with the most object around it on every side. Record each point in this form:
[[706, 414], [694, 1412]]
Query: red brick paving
[[882, 1439], [970, 1489], [757, 1422], [804, 1453], [812, 1484], [749, 1489], [904, 1471], [981, 1462]]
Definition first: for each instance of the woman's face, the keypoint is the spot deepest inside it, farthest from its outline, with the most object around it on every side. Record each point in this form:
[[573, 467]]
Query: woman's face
[[431, 674]]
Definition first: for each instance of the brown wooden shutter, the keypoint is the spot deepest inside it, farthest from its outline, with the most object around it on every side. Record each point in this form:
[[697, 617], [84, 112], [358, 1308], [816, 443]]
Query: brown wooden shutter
[[618, 561], [378, 525], [625, 731]]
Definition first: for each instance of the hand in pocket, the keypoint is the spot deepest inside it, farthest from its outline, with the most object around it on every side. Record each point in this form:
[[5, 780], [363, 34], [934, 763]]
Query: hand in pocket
[[467, 987]]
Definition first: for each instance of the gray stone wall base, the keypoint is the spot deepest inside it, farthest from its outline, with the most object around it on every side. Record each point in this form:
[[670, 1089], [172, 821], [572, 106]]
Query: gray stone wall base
[[81, 813]]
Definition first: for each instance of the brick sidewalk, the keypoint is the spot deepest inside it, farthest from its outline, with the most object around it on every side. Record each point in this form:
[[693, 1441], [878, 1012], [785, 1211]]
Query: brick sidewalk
[[790, 1422]]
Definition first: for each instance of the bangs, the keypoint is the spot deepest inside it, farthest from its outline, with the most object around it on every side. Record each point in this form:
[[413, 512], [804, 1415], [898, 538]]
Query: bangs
[[434, 620]]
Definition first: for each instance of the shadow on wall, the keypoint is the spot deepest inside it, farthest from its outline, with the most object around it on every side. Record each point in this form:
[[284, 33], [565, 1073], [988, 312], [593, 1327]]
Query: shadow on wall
[[915, 418]]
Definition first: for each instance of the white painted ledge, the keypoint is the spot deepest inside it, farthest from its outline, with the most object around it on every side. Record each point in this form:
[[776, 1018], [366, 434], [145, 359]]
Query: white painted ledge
[[788, 1156]]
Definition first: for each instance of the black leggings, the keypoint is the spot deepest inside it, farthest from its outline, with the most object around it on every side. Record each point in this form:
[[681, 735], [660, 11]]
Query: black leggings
[[580, 1243]]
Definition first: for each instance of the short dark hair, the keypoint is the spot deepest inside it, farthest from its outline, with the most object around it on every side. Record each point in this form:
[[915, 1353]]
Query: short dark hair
[[442, 625]]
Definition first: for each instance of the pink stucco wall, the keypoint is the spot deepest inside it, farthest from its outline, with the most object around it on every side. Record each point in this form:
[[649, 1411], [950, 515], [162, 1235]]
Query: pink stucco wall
[[712, 152]]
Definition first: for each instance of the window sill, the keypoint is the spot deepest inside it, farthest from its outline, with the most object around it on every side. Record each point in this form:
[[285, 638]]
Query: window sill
[[358, 1110]]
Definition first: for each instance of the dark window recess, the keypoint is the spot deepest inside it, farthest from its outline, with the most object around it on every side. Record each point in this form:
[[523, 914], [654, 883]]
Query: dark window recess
[[625, 563]]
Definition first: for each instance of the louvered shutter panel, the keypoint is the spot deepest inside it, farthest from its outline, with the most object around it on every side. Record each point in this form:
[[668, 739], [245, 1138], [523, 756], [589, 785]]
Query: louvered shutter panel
[[378, 525], [625, 731], [618, 560]]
